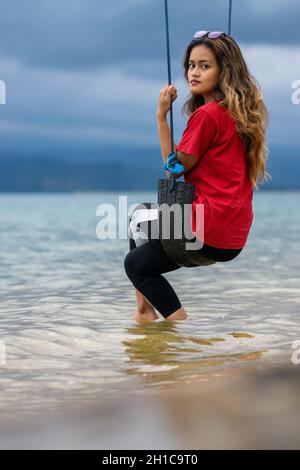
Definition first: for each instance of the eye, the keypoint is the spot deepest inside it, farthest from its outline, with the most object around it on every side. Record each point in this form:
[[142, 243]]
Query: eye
[[203, 65]]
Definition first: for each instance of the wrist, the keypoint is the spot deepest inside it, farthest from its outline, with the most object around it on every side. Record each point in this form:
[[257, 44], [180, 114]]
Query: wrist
[[161, 117]]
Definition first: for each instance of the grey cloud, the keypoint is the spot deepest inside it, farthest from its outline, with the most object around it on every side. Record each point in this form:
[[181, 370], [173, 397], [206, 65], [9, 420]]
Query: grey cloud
[[88, 73], [77, 34]]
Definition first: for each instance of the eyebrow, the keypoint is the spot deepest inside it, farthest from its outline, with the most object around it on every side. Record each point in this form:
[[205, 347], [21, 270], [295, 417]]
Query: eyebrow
[[203, 60]]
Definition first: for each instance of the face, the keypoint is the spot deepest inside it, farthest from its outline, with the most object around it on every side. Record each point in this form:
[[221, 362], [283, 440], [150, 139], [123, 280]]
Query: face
[[204, 69]]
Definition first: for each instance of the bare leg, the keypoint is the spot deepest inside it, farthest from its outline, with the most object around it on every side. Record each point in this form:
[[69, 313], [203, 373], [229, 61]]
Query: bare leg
[[180, 314], [145, 311]]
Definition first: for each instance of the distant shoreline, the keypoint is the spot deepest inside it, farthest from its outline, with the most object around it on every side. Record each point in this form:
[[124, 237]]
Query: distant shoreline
[[122, 190]]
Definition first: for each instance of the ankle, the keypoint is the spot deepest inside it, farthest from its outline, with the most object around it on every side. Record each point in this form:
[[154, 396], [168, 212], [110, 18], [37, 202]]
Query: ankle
[[180, 314], [145, 309], [146, 316]]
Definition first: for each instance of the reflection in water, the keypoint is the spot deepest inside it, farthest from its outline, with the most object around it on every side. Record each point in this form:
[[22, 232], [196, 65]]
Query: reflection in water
[[240, 335], [66, 301], [161, 353]]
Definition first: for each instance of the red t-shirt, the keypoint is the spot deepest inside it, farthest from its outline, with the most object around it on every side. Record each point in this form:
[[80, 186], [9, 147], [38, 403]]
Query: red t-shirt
[[220, 176]]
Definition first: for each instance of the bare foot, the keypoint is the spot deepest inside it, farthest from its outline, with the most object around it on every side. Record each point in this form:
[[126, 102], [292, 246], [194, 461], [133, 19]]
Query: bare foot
[[147, 316], [180, 314]]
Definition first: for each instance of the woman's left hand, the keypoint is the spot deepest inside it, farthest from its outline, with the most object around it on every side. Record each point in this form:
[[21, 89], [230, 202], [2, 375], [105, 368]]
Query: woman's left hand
[[167, 95]]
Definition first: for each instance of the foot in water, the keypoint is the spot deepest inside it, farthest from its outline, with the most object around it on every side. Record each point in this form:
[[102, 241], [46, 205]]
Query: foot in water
[[151, 315]]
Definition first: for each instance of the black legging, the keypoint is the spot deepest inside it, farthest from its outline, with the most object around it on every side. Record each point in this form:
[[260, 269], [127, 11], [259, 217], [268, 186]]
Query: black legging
[[147, 261]]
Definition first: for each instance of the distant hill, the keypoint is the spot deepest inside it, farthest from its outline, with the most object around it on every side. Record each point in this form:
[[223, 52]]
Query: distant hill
[[33, 174], [116, 170]]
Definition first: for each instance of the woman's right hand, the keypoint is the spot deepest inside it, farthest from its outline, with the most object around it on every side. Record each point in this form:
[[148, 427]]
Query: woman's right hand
[[167, 95]]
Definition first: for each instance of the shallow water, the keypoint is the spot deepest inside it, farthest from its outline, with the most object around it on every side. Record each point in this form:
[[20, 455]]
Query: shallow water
[[67, 334]]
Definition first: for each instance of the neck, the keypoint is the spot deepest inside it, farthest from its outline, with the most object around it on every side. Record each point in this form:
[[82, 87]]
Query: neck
[[209, 100], [216, 95]]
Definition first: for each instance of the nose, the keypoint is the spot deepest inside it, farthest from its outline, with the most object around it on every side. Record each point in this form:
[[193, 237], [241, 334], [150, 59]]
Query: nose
[[194, 76]]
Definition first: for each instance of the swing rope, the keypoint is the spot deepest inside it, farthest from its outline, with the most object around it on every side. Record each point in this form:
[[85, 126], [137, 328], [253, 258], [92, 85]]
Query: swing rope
[[169, 61], [229, 16], [169, 71]]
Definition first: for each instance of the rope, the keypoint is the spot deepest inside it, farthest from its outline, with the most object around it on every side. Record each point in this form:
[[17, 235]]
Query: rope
[[229, 17], [169, 61], [169, 72], [169, 68]]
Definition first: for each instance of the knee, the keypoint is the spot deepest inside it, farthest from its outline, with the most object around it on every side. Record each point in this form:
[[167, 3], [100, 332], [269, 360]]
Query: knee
[[129, 264]]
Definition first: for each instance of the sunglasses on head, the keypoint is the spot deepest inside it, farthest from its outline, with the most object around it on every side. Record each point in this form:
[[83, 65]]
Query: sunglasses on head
[[209, 34]]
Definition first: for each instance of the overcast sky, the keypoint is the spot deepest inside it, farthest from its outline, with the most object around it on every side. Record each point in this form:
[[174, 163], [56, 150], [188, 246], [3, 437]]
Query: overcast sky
[[87, 73]]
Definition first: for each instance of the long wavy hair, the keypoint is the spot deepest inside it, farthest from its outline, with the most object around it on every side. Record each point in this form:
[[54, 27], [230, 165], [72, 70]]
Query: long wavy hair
[[241, 94]]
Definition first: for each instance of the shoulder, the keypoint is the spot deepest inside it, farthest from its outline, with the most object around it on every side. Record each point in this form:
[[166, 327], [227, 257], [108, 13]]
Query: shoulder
[[209, 112], [213, 109], [218, 116], [204, 117]]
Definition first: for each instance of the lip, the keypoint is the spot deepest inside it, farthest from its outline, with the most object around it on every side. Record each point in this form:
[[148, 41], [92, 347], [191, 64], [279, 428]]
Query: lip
[[195, 82]]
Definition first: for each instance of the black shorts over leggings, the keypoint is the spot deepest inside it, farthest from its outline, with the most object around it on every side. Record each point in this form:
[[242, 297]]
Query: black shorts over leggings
[[147, 261]]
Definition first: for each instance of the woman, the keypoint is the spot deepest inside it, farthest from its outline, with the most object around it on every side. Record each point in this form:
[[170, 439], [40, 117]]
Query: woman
[[224, 154]]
